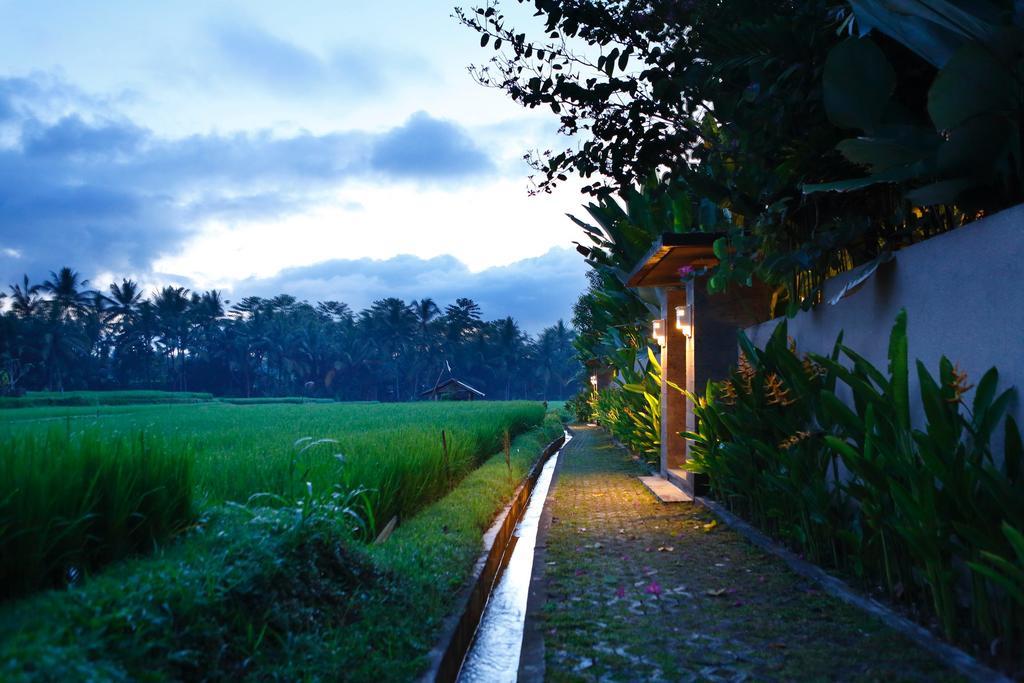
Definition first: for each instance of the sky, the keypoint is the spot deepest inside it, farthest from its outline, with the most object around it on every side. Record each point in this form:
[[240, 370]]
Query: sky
[[327, 149]]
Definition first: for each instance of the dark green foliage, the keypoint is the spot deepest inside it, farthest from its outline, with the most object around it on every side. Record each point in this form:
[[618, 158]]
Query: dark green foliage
[[744, 111], [60, 336], [964, 145], [72, 502], [857, 487], [581, 406]]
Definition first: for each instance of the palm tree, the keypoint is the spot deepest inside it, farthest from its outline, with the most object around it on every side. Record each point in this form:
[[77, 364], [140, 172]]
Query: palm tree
[[390, 323], [426, 311], [508, 341], [171, 305], [25, 299], [67, 301], [123, 302]]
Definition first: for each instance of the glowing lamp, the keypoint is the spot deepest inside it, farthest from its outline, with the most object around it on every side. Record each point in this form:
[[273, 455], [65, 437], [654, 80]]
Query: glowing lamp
[[658, 332], [683, 321]]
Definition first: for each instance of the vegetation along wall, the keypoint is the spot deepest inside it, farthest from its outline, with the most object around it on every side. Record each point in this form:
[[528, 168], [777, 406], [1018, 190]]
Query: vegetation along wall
[[962, 294]]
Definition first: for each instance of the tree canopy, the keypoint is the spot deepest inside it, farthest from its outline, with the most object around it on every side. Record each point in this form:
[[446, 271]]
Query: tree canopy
[[61, 335], [743, 111]]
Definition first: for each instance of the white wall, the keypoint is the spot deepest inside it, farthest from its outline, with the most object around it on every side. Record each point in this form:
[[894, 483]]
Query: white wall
[[964, 296]]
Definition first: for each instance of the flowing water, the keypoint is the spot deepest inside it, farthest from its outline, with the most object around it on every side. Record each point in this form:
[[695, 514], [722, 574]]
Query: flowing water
[[494, 655]]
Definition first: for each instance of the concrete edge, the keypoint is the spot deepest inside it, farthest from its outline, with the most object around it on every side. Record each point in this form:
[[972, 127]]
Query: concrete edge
[[532, 667], [952, 656]]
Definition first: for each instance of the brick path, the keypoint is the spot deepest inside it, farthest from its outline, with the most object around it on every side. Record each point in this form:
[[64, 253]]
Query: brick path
[[628, 588]]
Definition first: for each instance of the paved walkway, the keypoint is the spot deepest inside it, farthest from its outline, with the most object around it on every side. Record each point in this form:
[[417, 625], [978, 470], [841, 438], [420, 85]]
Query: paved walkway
[[627, 589]]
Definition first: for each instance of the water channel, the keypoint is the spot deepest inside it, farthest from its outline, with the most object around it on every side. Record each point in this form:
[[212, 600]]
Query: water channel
[[494, 655]]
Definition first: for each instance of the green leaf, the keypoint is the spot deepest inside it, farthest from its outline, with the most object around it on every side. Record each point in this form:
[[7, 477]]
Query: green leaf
[[1013, 458], [857, 83], [898, 369], [972, 82], [885, 153], [977, 147], [892, 175], [941, 192]]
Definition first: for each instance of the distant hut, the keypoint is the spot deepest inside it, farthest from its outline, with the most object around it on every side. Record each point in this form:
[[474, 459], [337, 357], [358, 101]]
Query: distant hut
[[448, 388]]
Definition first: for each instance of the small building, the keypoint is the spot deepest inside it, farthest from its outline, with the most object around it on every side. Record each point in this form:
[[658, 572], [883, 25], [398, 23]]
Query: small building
[[451, 389]]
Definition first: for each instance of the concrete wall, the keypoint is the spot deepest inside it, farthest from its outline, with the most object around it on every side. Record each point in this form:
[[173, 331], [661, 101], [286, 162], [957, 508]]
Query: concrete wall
[[964, 296]]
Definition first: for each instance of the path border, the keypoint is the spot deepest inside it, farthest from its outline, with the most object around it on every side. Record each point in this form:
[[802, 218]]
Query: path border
[[532, 664], [952, 656]]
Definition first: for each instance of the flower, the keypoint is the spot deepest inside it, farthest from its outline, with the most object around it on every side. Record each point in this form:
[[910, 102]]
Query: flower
[[621, 592], [653, 589]]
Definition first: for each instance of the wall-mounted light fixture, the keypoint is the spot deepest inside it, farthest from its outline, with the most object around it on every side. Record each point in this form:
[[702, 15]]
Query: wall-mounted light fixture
[[683, 323], [658, 331]]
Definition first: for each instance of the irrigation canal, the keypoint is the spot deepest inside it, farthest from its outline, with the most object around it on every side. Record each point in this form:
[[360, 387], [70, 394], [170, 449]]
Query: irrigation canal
[[494, 655]]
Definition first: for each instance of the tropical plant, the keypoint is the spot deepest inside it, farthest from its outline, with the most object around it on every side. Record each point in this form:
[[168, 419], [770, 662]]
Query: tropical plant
[[960, 143], [931, 513]]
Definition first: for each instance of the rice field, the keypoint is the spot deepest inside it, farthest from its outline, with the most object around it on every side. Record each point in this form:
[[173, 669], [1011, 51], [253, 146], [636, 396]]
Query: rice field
[[66, 474]]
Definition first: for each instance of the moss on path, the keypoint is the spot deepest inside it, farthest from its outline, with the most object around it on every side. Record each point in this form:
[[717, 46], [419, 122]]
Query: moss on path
[[640, 590]]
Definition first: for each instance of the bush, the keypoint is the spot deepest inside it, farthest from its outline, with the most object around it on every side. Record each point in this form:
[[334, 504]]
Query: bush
[[581, 406], [929, 513]]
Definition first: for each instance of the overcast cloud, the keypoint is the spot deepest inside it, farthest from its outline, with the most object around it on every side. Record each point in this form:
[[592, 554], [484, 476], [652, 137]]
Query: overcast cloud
[[263, 149]]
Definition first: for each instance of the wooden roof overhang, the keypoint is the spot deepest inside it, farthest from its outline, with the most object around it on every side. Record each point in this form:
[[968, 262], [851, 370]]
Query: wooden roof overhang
[[670, 252], [742, 306]]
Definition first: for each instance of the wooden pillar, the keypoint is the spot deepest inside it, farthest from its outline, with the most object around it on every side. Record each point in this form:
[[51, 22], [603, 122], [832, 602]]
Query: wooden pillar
[[674, 360], [712, 347]]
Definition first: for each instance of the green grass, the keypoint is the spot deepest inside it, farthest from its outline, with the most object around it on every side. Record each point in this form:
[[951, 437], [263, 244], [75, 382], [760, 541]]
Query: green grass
[[266, 594], [232, 453], [274, 399], [35, 399], [72, 502]]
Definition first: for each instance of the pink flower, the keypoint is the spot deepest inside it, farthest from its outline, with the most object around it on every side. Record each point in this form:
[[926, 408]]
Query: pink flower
[[653, 589], [621, 592]]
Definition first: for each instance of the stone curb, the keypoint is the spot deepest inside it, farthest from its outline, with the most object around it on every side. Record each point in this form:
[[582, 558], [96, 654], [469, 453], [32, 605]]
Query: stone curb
[[952, 656]]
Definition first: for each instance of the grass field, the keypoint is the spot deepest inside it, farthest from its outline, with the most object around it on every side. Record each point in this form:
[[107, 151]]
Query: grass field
[[254, 593], [73, 509], [91, 398]]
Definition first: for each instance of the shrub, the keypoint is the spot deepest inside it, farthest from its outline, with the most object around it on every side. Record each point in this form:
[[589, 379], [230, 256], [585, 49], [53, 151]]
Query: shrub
[[930, 513]]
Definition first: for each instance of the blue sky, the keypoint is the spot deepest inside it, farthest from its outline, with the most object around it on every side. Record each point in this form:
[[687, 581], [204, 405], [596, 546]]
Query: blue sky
[[328, 149]]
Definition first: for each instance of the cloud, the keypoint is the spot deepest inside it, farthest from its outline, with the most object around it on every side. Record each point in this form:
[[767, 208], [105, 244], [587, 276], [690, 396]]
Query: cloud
[[96, 191], [536, 291], [425, 147], [253, 53]]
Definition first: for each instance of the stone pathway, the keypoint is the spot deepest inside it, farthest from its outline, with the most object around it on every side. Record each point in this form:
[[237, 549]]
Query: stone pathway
[[629, 589]]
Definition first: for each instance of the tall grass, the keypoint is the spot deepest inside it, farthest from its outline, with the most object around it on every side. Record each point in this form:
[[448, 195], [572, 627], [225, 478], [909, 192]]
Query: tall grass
[[71, 502], [34, 399], [92, 494]]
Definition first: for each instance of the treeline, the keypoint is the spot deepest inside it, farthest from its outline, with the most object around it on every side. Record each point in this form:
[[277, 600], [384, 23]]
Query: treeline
[[60, 335]]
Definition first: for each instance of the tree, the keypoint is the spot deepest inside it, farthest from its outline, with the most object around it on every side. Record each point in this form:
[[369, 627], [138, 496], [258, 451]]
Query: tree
[[66, 301], [65, 337]]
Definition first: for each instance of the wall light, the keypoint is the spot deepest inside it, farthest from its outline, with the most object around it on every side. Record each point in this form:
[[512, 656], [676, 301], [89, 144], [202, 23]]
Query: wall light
[[683, 323], [658, 331]]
